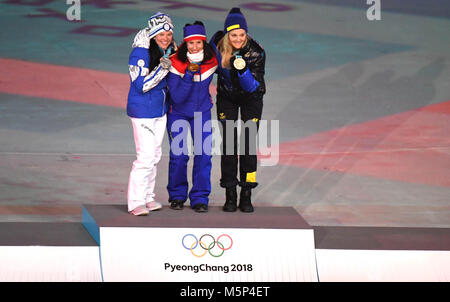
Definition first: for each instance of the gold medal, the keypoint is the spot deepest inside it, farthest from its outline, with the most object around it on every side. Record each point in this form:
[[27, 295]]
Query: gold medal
[[193, 67], [239, 63]]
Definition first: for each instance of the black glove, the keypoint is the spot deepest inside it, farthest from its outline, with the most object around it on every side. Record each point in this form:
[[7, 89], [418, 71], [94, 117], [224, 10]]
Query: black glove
[[232, 62]]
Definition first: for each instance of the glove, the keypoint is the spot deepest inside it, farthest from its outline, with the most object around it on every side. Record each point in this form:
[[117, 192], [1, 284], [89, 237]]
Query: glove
[[165, 63], [188, 75], [232, 62]]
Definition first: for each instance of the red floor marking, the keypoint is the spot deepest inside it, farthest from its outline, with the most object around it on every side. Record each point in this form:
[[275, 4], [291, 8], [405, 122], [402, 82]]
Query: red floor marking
[[443, 107], [412, 146], [65, 83]]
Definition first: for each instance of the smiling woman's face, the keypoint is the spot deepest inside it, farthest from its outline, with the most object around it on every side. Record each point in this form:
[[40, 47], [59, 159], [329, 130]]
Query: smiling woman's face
[[194, 46], [164, 39], [237, 37]]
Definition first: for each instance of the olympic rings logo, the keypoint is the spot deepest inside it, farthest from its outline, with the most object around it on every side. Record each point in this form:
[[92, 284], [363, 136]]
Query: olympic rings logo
[[207, 244]]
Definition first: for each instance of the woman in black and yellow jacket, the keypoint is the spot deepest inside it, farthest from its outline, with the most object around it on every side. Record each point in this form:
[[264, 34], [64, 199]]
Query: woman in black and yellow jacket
[[240, 87]]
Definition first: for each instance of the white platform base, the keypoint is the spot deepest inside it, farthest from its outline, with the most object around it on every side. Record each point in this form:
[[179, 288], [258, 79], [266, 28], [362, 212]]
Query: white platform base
[[270, 245], [158, 254], [49, 264], [383, 266]]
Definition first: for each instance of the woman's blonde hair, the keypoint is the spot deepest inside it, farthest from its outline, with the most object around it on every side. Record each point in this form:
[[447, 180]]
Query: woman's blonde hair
[[226, 50]]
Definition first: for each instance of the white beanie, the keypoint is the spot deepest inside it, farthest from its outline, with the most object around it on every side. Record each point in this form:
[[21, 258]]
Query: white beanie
[[159, 22]]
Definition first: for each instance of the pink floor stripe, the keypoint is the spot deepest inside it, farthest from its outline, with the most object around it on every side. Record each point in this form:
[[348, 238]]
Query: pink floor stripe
[[412, 146], [65, 83]]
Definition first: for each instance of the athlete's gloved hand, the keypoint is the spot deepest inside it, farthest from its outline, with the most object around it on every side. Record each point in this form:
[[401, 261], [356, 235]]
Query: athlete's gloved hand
[[241, 71], [165, 63], [193, 69]]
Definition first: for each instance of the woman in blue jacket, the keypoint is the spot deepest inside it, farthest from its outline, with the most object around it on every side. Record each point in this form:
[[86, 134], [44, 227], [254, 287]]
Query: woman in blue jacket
[[147, 106], [189, 78]]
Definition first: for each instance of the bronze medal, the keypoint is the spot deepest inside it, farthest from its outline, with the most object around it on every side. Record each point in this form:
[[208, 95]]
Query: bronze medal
[[193, 67], [239, 63]]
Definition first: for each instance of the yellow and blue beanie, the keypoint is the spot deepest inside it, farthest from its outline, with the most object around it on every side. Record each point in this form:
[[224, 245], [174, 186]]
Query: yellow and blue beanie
[[235, 20]]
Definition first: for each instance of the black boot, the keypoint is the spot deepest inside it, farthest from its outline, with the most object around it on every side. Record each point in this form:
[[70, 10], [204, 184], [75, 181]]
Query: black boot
[[201, 208], [231, 200], [245, 203], [176, 204]]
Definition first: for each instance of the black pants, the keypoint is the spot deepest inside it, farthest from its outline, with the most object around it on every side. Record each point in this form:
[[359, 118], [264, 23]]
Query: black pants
[[227, 112]]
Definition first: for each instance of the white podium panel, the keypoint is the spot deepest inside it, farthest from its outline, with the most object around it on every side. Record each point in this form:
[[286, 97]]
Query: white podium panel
[[207, 254], [184, 246], [49, 264], [382, 254], [48, 252], [383, 266]]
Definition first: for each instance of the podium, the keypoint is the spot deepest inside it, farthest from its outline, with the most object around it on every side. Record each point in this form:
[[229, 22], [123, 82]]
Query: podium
[[47, 252], [272, 244], [382, 254]]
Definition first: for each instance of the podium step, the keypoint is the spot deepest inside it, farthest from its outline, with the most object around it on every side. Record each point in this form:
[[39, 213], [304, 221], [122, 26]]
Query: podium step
[[271, 244], [46, 252], [263, 217], [387, 254]]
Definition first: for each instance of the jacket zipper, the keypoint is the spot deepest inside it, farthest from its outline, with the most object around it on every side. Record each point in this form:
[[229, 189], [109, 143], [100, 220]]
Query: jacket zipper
[[164, 102], [199, 84]]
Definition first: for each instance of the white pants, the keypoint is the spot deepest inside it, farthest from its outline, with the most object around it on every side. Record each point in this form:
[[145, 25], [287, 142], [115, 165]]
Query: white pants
[[148, 137]]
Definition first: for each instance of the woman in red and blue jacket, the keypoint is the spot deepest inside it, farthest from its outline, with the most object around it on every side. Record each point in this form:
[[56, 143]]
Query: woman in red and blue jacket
[[190, 105]]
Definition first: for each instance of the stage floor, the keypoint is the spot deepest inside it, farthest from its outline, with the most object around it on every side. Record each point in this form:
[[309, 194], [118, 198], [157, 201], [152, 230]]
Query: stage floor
[[363, 108]]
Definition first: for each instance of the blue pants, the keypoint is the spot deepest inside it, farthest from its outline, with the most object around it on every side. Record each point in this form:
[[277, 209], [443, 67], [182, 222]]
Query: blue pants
[[201, 132]]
